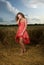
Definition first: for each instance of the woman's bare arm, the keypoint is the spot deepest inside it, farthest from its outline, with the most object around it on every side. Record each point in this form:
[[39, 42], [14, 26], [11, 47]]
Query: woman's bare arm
[[25, 27]]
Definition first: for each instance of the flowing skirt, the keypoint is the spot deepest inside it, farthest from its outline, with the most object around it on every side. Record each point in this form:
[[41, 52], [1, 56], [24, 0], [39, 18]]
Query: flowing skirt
[[25, 37]]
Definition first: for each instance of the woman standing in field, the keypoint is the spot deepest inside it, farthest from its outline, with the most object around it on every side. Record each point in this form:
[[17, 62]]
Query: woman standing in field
[[22, 36]]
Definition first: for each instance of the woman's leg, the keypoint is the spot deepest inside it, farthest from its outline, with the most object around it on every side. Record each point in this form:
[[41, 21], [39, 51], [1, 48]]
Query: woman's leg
[[23, 49]]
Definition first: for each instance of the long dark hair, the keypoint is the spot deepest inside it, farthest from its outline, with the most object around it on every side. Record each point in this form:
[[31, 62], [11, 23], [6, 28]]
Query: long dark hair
[[20, 14]]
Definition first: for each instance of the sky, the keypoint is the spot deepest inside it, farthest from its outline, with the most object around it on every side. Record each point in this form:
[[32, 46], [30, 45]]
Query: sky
[[32, 9]]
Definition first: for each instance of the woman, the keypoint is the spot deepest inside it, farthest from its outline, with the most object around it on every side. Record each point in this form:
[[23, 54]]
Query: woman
[[22, 36]]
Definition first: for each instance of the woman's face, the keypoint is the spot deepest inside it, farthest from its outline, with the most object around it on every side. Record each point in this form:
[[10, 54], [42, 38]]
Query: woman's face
[[19, 16]]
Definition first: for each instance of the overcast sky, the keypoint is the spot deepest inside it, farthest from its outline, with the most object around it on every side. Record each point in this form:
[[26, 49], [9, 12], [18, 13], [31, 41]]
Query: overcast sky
[[33, 9]]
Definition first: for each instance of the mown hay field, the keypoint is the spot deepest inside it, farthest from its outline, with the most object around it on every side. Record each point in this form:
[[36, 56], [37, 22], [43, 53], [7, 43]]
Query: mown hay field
[[10, 50]]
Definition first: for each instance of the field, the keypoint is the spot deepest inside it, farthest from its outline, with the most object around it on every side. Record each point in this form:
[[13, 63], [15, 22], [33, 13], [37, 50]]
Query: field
[[10, 50]]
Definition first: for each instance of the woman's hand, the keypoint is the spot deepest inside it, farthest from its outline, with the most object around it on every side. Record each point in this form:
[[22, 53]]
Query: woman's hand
[[18, 20], [25, 27]]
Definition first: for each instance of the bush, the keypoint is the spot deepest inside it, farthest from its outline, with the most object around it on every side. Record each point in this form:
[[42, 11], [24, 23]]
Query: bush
[[2, 35], [36, 36]]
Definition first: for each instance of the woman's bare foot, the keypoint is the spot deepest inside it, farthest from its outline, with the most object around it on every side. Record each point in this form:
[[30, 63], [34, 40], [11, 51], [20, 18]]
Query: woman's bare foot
[[22, 52]]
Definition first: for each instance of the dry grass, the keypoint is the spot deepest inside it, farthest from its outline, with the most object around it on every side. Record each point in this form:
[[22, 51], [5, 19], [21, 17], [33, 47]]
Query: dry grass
[[10, 50]]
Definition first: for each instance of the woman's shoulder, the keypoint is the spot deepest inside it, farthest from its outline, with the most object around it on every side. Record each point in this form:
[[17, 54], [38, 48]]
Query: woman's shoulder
[[24, 20]]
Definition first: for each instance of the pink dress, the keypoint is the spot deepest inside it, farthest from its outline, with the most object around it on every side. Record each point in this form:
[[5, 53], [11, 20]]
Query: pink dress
[[22, 32]]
